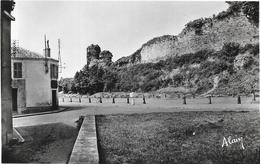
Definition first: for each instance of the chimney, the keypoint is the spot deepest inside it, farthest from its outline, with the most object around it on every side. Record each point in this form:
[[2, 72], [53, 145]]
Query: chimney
[[47, 50]]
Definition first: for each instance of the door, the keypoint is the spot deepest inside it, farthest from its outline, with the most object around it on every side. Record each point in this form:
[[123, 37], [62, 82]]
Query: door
[[54, 99], [14, 96]]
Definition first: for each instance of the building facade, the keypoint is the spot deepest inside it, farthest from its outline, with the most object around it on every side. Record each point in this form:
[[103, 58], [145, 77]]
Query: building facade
[[34, 84]]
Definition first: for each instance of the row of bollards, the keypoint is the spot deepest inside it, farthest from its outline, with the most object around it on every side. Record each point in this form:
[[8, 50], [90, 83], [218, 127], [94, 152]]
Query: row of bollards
[[144, 101], [209, 97], [100, 100]]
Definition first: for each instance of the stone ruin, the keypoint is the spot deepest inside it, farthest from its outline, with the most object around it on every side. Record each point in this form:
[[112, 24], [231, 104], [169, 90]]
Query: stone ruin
[[97, 57]]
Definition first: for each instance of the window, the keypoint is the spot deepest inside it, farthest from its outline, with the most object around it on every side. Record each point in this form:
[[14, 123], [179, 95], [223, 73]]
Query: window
[[17, 70], [54, 71]]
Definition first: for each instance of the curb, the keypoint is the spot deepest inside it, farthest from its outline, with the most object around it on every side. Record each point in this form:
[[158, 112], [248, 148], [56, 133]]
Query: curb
[[85, 149], [40, 113]]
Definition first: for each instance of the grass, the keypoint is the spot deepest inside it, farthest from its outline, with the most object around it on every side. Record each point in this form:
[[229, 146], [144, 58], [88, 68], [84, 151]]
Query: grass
[[43, 144], [170, 137]]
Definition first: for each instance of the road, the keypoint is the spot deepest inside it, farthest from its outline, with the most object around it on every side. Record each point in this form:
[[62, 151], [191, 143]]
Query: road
[[75, 109]]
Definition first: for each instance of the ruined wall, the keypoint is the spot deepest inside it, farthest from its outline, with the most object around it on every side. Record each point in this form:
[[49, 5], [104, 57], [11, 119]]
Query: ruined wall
[[235, 28], [96, 57]]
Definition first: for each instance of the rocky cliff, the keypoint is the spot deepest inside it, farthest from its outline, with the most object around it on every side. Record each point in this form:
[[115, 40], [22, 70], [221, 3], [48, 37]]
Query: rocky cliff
[[232, 25]]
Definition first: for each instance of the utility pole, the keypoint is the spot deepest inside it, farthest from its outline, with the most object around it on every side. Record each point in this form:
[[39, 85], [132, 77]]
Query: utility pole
[[59, 58]]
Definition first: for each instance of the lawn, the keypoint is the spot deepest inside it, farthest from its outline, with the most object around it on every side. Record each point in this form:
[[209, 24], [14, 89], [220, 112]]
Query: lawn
[[180, 137], [48, 143]]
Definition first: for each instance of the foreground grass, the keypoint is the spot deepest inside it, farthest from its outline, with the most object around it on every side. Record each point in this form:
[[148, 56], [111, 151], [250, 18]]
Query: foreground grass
[[181, 137], [49, 143]]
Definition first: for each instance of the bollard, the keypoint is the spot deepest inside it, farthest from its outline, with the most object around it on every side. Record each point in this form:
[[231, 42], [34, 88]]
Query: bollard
[[113, 100], [80, 99], [133, 101], [238, 99], [100, 100], [70, 99], [209, 99], [254, 99], [184, 99], [127, 100], [144, 100], [89, 100], [62, 99]]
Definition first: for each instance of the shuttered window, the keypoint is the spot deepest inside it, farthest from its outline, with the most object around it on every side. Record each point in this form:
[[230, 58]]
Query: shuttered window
[[18, 70], [54, 71]]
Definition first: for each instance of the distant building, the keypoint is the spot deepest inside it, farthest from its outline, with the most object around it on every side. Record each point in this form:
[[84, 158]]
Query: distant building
[[34, 85], [6, 91]]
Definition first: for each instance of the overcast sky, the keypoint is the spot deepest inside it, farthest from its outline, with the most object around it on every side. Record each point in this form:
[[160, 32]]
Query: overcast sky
[[120, 27]]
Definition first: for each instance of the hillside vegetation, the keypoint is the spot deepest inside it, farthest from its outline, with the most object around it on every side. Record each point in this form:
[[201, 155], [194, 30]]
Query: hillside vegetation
[[216, 55]]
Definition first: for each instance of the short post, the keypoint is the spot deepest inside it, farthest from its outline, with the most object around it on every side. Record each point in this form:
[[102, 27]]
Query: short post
[[80, 99], [113, 100], [144, 100], [133, 101], [238, 99], [70, 99], [127, 100], [62, 99], [254, 99], [89, 100], [209, 99], [184, 99], [100, 100]]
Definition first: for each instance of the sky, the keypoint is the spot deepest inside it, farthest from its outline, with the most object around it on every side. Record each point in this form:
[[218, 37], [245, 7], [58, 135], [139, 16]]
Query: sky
[[118, 26]]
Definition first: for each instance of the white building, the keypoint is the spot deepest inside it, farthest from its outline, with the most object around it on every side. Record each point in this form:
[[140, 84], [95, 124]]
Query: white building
[[34, 81]]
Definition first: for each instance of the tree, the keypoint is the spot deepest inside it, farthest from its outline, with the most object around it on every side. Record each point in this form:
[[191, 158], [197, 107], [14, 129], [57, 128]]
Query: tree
[[251, 10]]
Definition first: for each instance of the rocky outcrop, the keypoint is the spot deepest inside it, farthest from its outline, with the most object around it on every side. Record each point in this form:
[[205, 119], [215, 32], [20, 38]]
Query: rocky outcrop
[[243, 61], [96, 57], [105, 58], [129, 60], [93, 52], [211, 33]]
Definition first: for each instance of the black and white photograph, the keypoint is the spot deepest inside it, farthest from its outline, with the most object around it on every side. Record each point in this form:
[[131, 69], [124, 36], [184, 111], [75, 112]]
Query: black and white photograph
[[130, 82]]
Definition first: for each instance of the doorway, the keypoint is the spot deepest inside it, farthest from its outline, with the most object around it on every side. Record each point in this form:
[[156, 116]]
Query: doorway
[[54, 99], [14, 97]]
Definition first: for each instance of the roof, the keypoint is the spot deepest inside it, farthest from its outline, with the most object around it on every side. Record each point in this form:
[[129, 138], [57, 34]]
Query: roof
[[22, 53]]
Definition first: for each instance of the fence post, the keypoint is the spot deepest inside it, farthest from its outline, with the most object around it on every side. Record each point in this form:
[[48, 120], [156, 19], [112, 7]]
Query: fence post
[[127, 100], [144, 100], [254, 99], [133, 101], [209, 99], [184, 99], [238, 99], [89, 100], [80, 99], [70, 99], [100, 100], [113, 100]]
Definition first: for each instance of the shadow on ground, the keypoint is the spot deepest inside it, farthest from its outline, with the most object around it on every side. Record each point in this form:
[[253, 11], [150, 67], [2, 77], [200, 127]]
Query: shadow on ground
[[43, 143]]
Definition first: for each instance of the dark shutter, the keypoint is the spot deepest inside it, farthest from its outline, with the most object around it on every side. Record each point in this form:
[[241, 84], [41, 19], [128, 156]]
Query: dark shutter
[[54, 84]]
